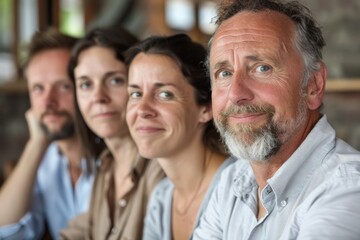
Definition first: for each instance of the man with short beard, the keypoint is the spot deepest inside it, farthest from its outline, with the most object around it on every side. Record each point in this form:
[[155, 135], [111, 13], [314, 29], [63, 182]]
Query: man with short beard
[[51, 182], [293, 178]]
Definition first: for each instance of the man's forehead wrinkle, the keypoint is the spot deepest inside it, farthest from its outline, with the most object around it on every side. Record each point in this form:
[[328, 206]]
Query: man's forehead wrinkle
[[283, 47], [238, 38], [236, 46], [249, 25], [245, 36]]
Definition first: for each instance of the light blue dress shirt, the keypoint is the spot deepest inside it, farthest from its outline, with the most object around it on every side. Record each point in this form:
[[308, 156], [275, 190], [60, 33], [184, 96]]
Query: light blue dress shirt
[[54, 199], [314, 195], [158, 216]]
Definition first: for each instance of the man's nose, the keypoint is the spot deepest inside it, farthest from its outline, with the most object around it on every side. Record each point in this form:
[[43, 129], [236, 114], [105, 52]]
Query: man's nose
[[50, 98], [240, 90]]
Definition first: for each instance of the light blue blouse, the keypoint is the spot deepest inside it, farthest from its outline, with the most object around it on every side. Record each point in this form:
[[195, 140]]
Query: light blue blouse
[[314, 195], [54, 199], [158, 217]]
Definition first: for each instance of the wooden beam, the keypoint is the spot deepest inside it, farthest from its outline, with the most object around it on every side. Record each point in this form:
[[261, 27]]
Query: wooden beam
[[16, 35], [91, 11], [55, 13], [42, 14], [343, 85]]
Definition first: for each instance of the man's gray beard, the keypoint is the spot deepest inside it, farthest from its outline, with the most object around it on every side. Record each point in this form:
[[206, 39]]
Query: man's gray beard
[[67, 131], [266, 141], [264, 145]]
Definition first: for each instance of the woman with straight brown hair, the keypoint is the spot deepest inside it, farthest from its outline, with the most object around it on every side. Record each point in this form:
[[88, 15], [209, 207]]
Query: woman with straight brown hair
[[123, 180]]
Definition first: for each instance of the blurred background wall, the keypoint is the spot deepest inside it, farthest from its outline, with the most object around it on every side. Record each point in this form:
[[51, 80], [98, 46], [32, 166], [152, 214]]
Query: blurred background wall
[[19, 19]]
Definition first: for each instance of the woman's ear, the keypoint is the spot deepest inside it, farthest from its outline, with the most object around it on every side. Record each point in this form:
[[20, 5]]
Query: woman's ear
[[205, 114], [316, 88]]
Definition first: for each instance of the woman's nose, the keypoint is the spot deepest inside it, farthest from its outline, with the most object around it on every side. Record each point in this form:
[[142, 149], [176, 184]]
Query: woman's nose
[[145, 108], [100, 95]]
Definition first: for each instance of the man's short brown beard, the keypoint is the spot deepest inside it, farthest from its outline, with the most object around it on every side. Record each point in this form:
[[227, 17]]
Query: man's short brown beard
[[66, 131]]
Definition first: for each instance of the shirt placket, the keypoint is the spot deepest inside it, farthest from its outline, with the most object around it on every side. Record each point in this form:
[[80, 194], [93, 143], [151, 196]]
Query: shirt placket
[[268, 200]]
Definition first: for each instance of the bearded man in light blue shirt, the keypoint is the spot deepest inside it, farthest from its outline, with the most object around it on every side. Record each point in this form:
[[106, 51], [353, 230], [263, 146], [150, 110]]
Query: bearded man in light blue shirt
[[293, 178], [52, 181]]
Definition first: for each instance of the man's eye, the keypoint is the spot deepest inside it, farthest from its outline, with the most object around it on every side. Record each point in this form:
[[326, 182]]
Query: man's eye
[[166, 95], [263, 68], [224, 74], [37, 88], [65, 87], [135, 95]]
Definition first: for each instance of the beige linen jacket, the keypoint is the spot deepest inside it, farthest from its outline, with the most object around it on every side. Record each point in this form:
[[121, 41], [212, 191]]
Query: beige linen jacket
[[121, 221]]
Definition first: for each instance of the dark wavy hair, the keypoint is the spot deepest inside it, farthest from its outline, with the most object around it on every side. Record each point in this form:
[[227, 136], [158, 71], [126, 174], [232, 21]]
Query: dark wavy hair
[[116, 39], [190, 57]]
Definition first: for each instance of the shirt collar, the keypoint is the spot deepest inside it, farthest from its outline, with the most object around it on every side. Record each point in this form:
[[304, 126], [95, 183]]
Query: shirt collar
[[244, 181], [291, 177], [106, 161], [65, 161]]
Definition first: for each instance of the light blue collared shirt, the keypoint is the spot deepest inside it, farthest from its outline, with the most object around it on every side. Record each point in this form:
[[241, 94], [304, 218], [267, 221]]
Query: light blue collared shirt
[[314, 195], [159, 211], [54, 199]]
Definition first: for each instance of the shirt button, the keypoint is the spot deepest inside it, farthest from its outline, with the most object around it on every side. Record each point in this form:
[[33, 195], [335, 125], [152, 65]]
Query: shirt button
[[113, 231], [268, 191], [122, 202], [283, 203]]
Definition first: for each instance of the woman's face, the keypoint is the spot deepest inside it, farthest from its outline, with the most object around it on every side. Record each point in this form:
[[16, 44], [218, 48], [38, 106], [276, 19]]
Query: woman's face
[[101, 87], [162, 114]]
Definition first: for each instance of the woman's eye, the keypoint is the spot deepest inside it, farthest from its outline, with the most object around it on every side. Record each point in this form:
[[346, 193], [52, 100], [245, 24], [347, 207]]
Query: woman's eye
[[84, 85], [135, 95], [166, 95], [263, 68], [116, 81]]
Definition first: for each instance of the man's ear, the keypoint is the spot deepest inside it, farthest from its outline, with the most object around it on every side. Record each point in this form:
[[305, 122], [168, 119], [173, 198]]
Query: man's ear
[[316, 88], [205, 114]]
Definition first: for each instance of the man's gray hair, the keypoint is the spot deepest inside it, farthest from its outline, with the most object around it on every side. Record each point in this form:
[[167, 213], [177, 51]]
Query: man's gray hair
[[308, 37]]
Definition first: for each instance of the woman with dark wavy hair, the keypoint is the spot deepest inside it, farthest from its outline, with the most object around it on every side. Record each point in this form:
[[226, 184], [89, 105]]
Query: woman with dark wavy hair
[[170, 118]]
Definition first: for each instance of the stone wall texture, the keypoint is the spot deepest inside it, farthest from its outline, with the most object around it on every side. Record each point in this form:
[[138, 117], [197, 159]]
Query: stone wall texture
[[340, 20]]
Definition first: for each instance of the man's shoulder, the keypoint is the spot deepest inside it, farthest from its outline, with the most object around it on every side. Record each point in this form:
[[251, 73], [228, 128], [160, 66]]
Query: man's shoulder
[[343, 159]]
